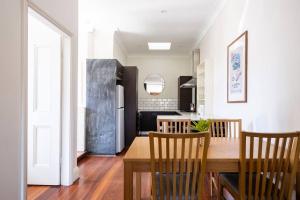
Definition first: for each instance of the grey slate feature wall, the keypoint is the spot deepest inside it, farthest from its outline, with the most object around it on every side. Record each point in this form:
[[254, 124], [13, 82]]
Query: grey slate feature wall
[[101, 106]]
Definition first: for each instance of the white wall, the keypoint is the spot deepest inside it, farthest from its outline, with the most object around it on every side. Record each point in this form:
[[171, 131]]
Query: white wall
[[10, 101], [273, 63], [84, 31], [169, 67], [119, 50], [101, 44], [106, 44]]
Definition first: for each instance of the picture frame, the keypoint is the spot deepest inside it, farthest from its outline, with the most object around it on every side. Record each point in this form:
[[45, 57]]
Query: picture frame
[[237, 61]]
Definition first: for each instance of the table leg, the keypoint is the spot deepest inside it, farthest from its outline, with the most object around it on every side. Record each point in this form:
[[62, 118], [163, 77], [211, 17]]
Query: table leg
[[128, 181], [298, 185], [138, 185]]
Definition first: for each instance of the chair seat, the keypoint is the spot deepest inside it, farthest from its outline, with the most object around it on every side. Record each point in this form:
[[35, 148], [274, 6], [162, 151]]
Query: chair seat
[[164, 176], [232, 180]]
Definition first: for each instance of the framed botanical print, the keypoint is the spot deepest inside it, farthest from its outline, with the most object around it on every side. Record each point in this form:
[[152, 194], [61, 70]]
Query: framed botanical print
[[237, 69]]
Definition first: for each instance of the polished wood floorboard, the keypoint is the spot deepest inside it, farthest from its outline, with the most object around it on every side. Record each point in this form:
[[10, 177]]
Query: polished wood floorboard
[[101, 178]]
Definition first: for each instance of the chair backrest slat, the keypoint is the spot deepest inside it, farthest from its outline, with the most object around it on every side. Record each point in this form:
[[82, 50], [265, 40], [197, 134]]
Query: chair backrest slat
[[160, 168], [152, 154], [286, 167], [279, 168], [226, 127], [265, 169], [174, 125], [250, 167], [182, 163], [187, 154], [268, 164], [218, 129], [189, 170], [174, 167], [195, 170], [258, 169], [272, 167], [168, 167]]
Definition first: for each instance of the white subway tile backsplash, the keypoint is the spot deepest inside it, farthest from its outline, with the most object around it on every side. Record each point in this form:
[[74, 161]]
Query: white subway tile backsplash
[[157, 104]]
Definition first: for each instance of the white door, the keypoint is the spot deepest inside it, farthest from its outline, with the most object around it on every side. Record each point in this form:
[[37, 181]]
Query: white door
[[44, 103]]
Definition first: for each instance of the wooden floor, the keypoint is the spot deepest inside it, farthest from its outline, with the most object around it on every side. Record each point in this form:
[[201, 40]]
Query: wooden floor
[[100, 178]]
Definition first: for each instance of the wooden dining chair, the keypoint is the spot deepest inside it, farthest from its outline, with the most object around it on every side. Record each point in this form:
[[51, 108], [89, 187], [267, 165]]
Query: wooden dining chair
[[226, 127], [268, 165], [229, 128], [168, 126], [178, 165], [174, 125]]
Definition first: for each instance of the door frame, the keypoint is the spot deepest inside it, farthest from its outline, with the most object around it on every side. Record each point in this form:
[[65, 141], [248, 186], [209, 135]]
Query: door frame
[[69, 169]]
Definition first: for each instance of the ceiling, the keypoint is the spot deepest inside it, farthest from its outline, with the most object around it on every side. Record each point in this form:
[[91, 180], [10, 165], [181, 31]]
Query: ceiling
[[181, 22]]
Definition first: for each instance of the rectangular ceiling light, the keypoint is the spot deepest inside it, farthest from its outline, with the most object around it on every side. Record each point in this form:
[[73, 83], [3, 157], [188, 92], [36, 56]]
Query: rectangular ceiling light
[[159, 45]]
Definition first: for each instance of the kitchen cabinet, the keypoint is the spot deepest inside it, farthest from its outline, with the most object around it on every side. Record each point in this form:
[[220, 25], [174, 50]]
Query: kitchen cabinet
[[185, 95], [147, 119]]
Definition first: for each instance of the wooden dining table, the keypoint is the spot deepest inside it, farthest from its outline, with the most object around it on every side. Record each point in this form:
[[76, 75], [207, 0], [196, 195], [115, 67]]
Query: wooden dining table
[[222, 156]]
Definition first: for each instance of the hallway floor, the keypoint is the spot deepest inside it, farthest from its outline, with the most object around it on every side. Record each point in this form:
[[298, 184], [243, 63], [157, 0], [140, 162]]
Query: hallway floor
[[100, 178]]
